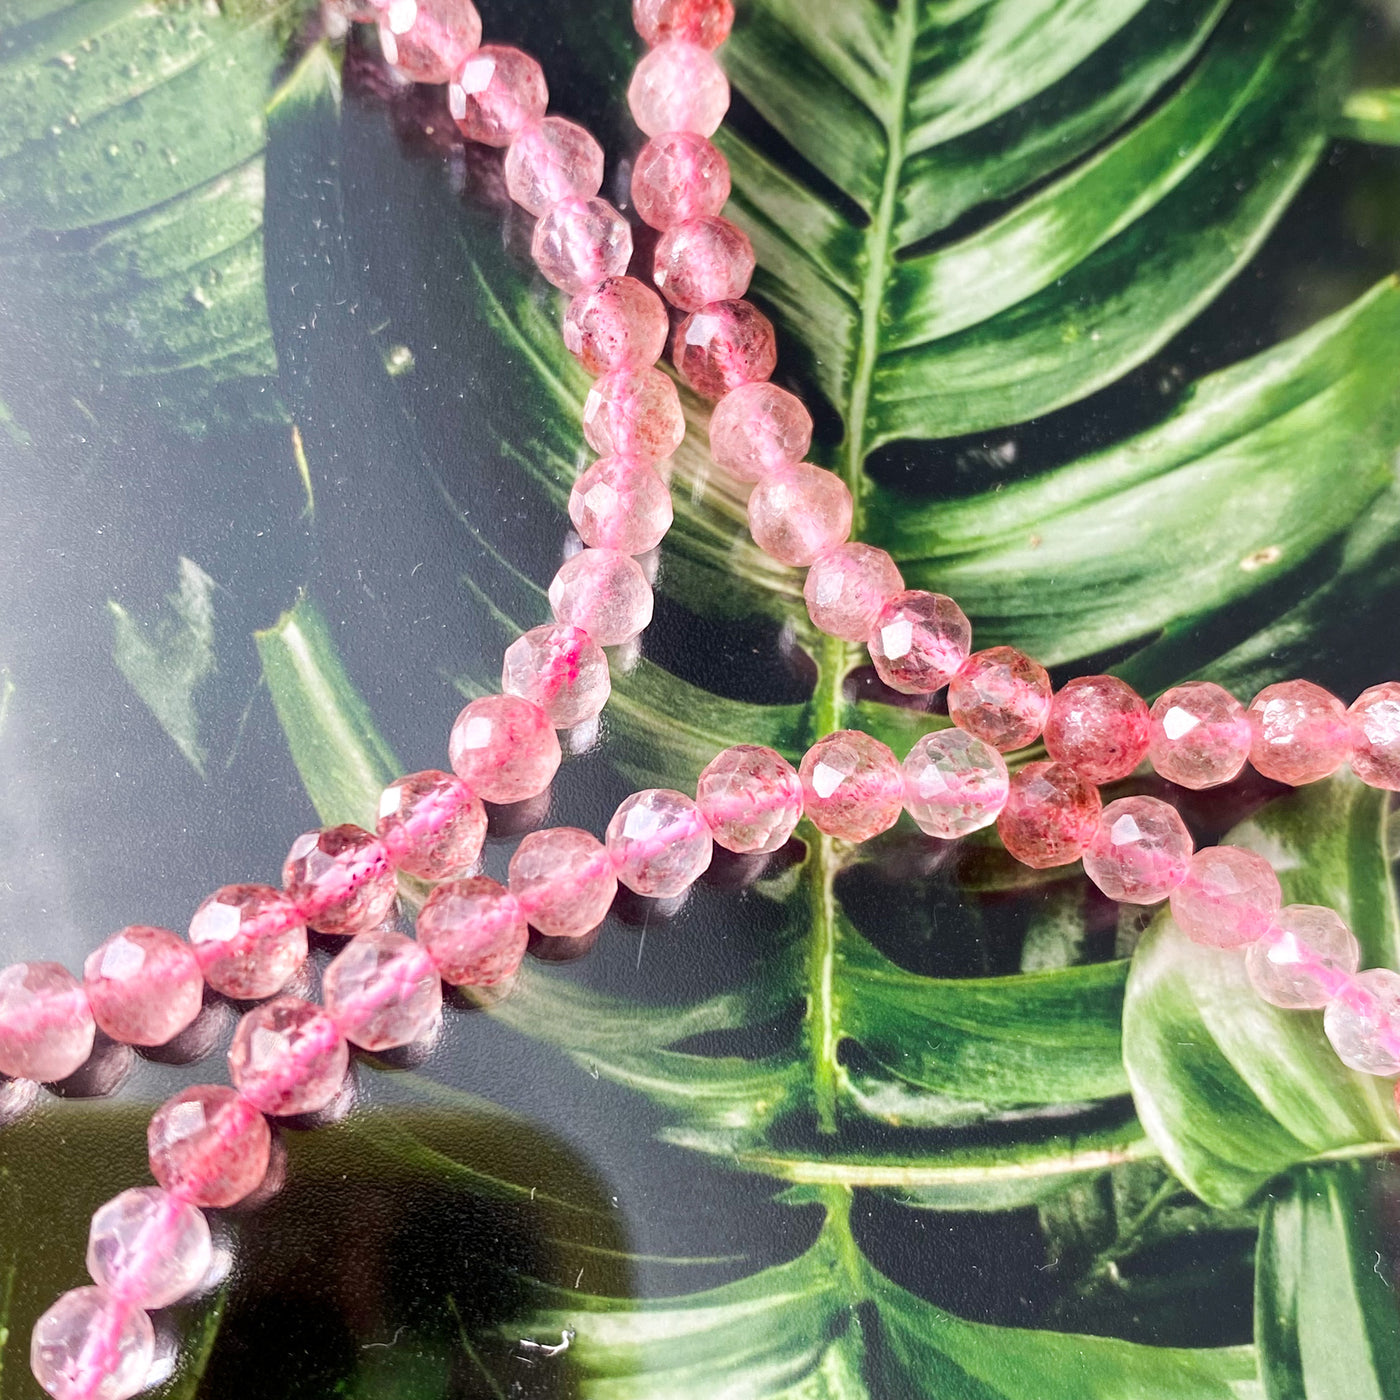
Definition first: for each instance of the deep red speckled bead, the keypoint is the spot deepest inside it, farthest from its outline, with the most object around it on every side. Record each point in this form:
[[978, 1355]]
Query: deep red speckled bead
[[340, 879], [1099, 725], [703, 22], [618, 323], [209, 1145], [1001, 696], [724, 345], [1050, 815]]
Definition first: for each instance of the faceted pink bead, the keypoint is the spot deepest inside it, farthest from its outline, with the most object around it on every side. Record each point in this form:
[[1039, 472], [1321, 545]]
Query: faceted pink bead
[[1363, 1022], [504, 748], [46, 1024], [679, 175], [605, 592], [474, 931], [552, 160], [1229, 897], [634, 413], [678, 87], [954, 784], [149, 1247], [91, 1346], [431, 824], [798, 513], [723, 345], [1140, 851], [1200, 735], [288, 1057], [847, 586], [382, 990], [209, 1145], [703, 22], [561, 669], [563, 880], [1306, 961], [919, 641], [1300, 732], [1375, 725], [249, 940], [498, 92], [759, 428], [340, 879], [750, 798], [578, 242], [429, 40], [659, 843], [852, 786], [1001, 696], [703, 260], [1050, 816], [144, 985], [618, 324], [621, 504], [1099, 725]]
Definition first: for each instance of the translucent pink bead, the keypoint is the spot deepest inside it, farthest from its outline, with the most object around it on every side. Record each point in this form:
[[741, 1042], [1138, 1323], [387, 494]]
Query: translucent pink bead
[[678, 87], [724, 345], [1050, 815], [429, 40], [91, 1346], [1001, 696], [208, 1145], [1300, 732], [659, 843], [618, 324], [1228, 898], [605, 592], [1375, 725], [750, 798], [474, 931], [382, 990], [288, 1057], [1099, 725], [1140, 851], [431, 824], [46, 1024], [1200, 735], [1307, 959], [144, 985], [499, 91], [504, 748], [563, 880], [578, 242], [621, 504], [149, 1247], [561, 669], [759, 428], [797, 514], [1363, 1022], [847, 586], [249, 940], [634, 413], [552, 160], [703, 22], [679, 175], [919, 641], [852, 786], [954, 784], [703, 260], [340, 879]]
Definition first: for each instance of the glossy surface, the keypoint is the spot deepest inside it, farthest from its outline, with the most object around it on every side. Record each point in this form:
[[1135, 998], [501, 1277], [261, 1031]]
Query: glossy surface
[[919, 641], [382, 990], [954, 784], [144, 985], [561, 669], [504, 748], [1300, 732], [209, 1145], [1100, 726], [1200, 735], [149, 1247], [46, 1024], [659, 843], [563, 880], [852, 786], [1051, 814], [249, 940], [474, 931], [287, 1057], [1228, 899], [340, 879], [1002, 696], [750, 797], [1305, 960], [432, 824], [1140, 851]]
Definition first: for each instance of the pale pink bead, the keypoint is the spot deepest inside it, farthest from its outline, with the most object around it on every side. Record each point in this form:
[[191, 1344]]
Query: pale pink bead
[[1375, 726], [149, 1247], [429, 40], [919, 641], [249, 940], [498, 92], [1140, 851], [578, 242], [618, 324], [474, 931], [1050, 815], [209, 1145], [91, 1346], [678, 87], [563, 880], [605, 592], [1306, 960], [750, 798], [432, 824], [797, 514], [659, 843], [723, 345], [46, 1024], [954, 784], [561, 669], [759, 428], [1300, 732], [852, 786], [847, 586], [382, 990], [144, 985], [552, 160], [288, 1057], [1099, 725], [703, 260], [504, 748], [703, 22], [1363, 1022], [679, 175], [621, 504], [634, 413], [1001, 696], [1228, 898], [1200, 735], [340, 879]]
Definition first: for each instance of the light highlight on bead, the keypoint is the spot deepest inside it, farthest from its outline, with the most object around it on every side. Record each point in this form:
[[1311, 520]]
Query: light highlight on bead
[[852, 786], [144, 985], [1140, 850], [563, 880], [659, 843], [504, 748], [954, 784], [750, 797]]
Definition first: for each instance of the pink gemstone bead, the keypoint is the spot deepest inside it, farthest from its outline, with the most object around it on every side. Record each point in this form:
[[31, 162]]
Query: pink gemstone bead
[[249, 940], [724, 345], [1099, 725], [1307, 959], [703, 22], [208, 1145], [797, 514], [561, 669], [429, 40], [659, 843], [288, 1057], [759, 428], [431, 824], [1229, 897], [1001, 696], [46, 1024], [1050, 815], [703, 260], [678, 87], [504, 748], [474, 931], [919, 641], [91, 1346], [149, 1247], [552, 160], [1200, 735], [679, 175], [1300, 732], [1140, 851], [340, 879], [1363, 1023], [847, 586], [954, 784], [852, 786], [634, 413], [382, 990], [750, 798], [1375, 725], [498, 92], [621, 504], [578, 242], [618, 324], [563, 880], [144, 985], [604, 592]]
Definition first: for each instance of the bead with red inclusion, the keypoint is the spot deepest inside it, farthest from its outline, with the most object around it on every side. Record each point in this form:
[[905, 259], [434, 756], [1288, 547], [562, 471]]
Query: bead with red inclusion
[[1375, 724], [474, 931], [429, 40], [563, 880], [249, 940], [1140, 851], [723, 345], [659, 843], [340, 879], [504, 748], [561, 669], [617, 324], [679, 175], [1301, 732], [209, 1145], [703, 22], [1001, 696], [750, 797], [1306, 959], [432, 824], [1050, 815], [759, 428], [797, 514], [288, 1057], [578, 242], [621, 504], [1099, 725], [678, 87], [92, 1346], [382, 990], [605, 593], [498, 92], [149, 1247], [847, 586], [919, 641], [1229, 897], [852, 786], [703, 260], [1200, 735], [954, 784], [46, 1024], [144, 985], [635, 414], [551, 160]]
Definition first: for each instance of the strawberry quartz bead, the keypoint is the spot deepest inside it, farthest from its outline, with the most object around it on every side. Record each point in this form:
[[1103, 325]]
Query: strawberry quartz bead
[[759, 428], [852, 786], [659, 843], [1001, 696], [1300, 732], [46, 1024], [504, 748], [249, 940], [498, 93], [797, 514], [340, 879], [144, 985], [1050, 816], [618, 324], [605, 593], [954, 784], [621, 504], [750, 798], [552, 160], [561, 669], [382, 990], [1200, 735], [703, 260], [1140, 851], [578, 242], [149, 1247], [678, 175], [209, 1145], [1099, 725], [431, 824], [474, 931], [919, 641], [92, 1346], [847, 586], [1363, 1023], [703, 22], [678, 87], [724, 345], [1307, 958], [635, 414], [1375, 725], [563, 880], [1228, 898], [288, 1057], [429, 40]]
